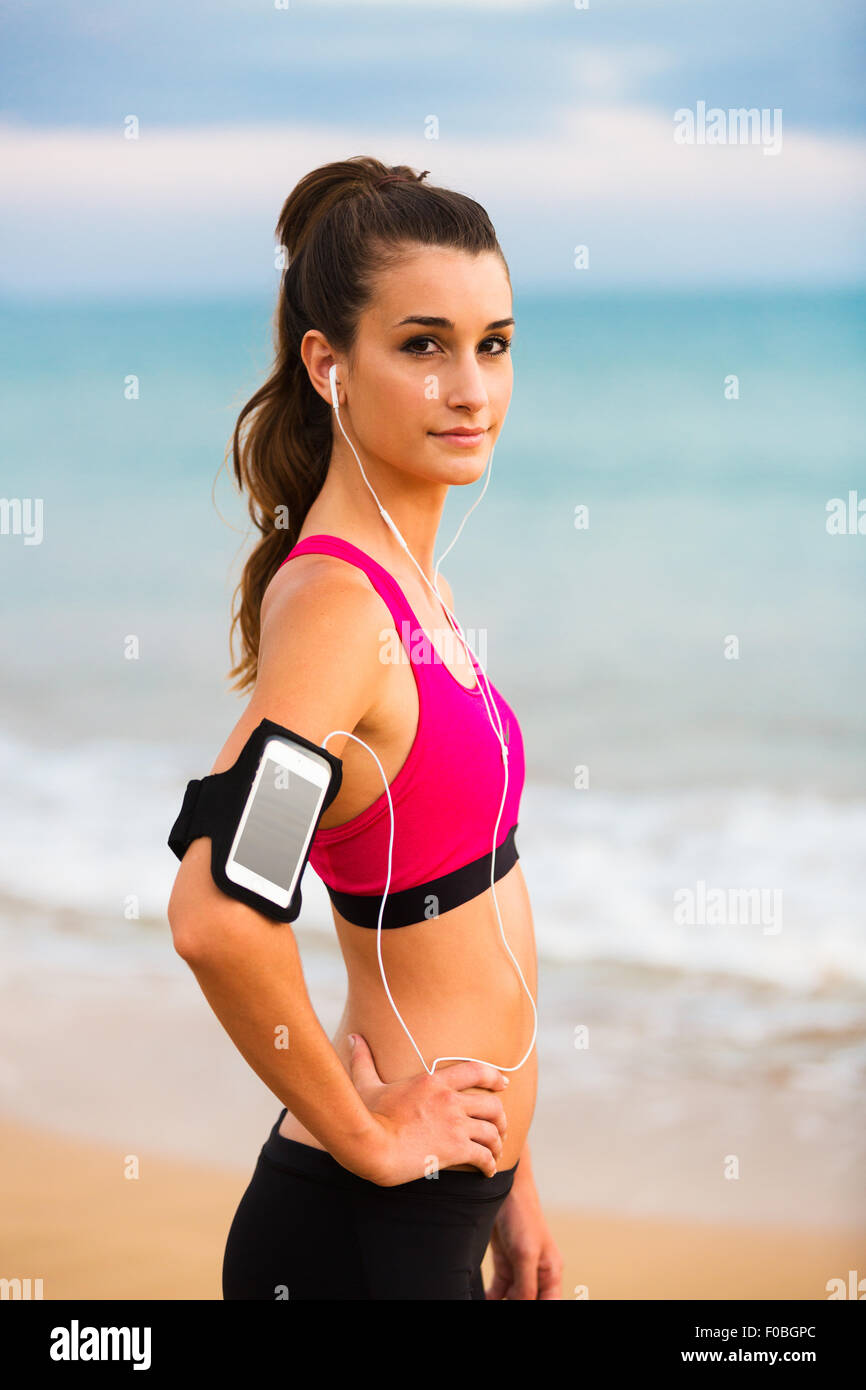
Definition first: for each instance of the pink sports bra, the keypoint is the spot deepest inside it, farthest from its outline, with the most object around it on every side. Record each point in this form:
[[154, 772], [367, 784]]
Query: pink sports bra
[[446, 795]]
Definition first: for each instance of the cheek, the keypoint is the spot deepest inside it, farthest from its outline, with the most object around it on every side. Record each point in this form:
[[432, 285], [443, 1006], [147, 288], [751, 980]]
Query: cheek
[[390, 410], [501, 392], [415, 394], [403, 404]]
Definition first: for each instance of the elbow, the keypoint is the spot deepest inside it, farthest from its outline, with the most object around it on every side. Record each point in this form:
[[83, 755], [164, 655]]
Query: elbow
[[197, 943], [193, 908], [186, 929], [185, 936], [187, 946], [205, 923], [219, 928]]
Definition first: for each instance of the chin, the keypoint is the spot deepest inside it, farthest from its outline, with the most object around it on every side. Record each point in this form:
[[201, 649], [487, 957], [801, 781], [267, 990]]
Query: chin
[[458, 466]]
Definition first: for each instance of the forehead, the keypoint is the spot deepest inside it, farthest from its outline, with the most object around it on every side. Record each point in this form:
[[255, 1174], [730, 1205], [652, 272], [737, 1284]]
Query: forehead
[[442, 282]]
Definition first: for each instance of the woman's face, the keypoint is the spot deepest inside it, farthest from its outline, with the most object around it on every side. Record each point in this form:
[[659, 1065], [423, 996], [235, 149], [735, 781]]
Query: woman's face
[[432, 355]]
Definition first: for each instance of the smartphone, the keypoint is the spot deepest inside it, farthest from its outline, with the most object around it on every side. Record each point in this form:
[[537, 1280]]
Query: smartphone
[[275, 829]]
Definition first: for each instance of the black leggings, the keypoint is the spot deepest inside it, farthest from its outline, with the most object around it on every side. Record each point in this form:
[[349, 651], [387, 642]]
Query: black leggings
[[307, 1228]]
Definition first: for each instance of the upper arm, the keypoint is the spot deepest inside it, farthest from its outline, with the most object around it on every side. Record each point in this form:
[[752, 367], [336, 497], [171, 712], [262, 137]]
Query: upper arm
[[318, 670], [318, 658]]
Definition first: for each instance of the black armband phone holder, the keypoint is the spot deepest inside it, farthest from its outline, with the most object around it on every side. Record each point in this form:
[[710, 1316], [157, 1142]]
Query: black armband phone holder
[[213, 806]]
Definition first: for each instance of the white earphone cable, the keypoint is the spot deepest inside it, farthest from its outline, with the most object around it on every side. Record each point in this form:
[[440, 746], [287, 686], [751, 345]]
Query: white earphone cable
[[489, 705]]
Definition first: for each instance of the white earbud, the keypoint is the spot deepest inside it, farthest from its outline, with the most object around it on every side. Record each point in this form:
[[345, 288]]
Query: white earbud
[[332, 377]]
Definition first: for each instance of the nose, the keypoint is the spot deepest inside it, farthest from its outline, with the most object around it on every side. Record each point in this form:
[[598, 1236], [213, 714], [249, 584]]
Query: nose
[[466, 386]]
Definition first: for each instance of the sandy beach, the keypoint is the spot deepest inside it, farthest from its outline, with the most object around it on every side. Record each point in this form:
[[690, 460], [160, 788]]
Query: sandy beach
[[110, 1054], [71, 1218]]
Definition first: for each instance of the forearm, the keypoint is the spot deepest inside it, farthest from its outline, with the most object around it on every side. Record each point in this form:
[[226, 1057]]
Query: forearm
[[253, 981], [524, 1178], [527, 1262]]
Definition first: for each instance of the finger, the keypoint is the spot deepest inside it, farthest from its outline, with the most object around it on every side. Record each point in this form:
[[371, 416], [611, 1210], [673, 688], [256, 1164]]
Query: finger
[[464, 1074], [551, 1291], [525, 1280], [549, 1281], [481, 1156], [499, 1286], [483, 1132], [361, 1064], [487, 1107]]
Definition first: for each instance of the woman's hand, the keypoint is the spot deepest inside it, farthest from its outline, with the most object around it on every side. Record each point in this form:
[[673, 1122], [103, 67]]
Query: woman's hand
[[526, 1260], [430, 1121]]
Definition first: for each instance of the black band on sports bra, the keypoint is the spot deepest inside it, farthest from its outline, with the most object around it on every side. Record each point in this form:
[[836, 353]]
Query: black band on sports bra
[[413, 905], [213, 806]]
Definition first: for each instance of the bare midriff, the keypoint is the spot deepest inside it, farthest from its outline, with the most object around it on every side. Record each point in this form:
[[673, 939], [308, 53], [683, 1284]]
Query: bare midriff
[[459, 994]]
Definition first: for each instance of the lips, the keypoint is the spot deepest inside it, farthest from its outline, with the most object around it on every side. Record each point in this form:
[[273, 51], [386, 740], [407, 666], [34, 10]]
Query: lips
[[461, 438]]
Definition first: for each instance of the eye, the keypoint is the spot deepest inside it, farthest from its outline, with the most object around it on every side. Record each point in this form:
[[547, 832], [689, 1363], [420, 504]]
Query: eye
[[505, 345], [411, 347]]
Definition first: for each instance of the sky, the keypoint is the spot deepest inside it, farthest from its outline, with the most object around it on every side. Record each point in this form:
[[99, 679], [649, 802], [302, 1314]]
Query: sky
[[559, 119]]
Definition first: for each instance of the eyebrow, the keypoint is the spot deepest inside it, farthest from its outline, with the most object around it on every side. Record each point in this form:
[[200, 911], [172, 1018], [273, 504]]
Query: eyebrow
[[426, 321]]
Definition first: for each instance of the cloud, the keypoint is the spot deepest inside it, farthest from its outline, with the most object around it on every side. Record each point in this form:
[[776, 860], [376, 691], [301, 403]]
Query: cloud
[[604, 71], [195, 208]]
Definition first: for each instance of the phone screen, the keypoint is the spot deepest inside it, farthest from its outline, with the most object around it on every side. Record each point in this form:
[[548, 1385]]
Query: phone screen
[[275, 834]]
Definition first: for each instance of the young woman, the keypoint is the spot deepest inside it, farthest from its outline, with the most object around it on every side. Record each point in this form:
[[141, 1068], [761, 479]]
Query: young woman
[[382, 1177]]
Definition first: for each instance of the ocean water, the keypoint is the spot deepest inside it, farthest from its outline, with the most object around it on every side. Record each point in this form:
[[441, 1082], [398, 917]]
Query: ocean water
[[689, 668]]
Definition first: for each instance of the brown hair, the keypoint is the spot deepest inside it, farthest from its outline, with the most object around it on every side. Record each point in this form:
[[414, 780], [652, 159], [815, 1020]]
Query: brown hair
[[339, 227]]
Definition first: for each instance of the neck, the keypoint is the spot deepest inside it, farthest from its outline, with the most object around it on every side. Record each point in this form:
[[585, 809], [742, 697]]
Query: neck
[[346, 507]]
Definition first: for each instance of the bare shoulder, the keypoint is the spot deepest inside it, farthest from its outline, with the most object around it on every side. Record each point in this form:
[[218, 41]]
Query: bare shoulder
[[319, 657], [321, 622], [309, 584]]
